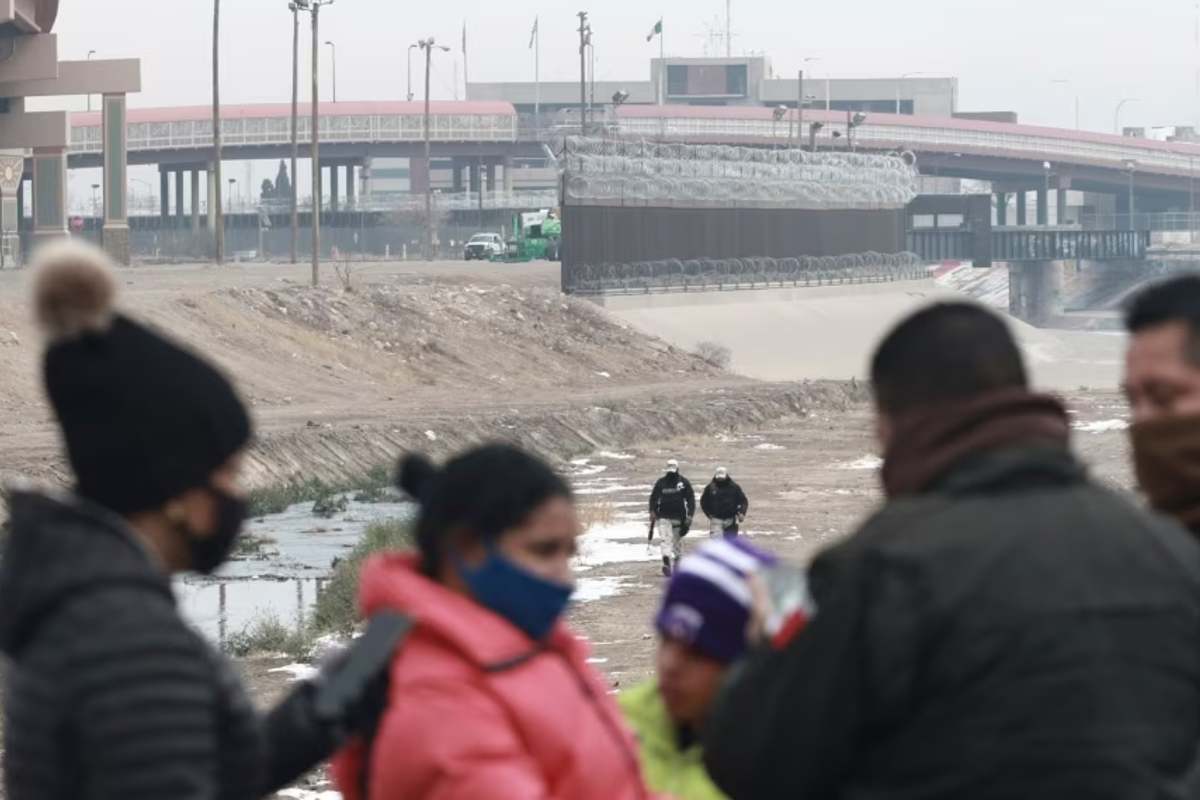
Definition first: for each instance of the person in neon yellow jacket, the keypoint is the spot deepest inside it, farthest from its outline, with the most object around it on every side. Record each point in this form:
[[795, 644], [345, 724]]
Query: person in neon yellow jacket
[[702, 630]]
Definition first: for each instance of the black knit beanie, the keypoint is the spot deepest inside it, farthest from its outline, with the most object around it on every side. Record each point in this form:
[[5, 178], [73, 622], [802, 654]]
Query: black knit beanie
[[143, 419]]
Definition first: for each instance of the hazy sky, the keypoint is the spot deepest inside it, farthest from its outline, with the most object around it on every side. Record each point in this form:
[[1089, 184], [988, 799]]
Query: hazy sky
[[1004, 53]]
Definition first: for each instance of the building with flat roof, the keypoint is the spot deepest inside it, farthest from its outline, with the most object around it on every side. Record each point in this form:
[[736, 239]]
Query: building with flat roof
[[744, 81]]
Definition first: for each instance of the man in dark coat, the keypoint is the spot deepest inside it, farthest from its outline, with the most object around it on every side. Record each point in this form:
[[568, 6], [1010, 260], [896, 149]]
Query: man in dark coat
[[725, 505], [672, 506], [1003, 627]]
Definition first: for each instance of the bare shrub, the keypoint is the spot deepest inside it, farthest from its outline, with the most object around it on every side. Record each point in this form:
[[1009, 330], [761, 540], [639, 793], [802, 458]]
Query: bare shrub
[[714, 354], [345, 275]]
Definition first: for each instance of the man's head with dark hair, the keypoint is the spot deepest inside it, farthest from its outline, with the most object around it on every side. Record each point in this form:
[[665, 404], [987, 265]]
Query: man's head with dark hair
[[943, 354], [1162, 365]]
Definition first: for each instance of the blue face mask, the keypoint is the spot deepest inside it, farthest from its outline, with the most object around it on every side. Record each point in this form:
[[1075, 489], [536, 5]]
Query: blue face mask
[[531, 603]]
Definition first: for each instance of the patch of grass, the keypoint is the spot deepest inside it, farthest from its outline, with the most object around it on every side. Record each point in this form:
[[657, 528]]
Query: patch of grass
[[597, 513], [277, 499], [330, 504], [337, 607], [251, 546], [376, 495], [268, 634]]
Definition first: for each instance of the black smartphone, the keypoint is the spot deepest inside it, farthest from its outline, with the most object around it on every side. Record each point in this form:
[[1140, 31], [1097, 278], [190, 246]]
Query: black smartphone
[[367, 656]]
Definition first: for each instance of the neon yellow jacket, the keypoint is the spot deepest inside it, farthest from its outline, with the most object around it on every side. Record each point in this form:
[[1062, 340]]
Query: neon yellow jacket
[[678, 773]]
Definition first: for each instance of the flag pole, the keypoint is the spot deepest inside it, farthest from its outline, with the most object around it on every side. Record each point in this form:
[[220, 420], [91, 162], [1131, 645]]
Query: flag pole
[[662, 80]]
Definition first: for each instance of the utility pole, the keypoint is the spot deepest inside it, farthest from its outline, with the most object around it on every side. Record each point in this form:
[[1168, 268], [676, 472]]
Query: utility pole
[[583, 27], [427, 45], [316, 141], [295, 8], [800, 113], [215, 216]]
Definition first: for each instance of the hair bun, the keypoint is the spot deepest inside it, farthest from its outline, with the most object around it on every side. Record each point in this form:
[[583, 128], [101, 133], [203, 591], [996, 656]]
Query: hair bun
[[73, 289], [415, 475]]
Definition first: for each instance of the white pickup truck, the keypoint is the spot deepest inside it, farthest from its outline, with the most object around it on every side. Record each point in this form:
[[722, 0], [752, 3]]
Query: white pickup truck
[[484, 246]]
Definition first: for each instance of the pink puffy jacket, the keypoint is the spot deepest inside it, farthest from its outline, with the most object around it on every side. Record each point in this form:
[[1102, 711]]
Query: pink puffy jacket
[[477, 710]]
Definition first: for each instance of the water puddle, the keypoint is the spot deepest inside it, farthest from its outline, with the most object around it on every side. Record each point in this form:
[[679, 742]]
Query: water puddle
[[299, 550], [282, 580]]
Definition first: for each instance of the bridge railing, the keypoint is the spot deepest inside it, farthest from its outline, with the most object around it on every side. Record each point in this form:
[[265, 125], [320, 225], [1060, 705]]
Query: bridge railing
[[1016, 244], [192, 134], [945, 139], [1165, 221]]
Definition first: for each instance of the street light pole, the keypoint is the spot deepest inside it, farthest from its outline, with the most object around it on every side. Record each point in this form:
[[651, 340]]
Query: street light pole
[[427, 45], [411, 47], [591, 76], [295, 9], [89, 97], [333, 66], [904, 77], [1117, 113], [315, 8], [215, 216], [583, 30]]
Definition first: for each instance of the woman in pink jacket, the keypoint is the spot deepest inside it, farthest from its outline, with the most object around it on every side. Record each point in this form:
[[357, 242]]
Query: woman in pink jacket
[[491, 696]]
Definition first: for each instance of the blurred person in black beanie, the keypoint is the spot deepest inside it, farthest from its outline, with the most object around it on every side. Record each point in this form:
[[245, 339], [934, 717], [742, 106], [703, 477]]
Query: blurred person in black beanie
[[110, 693]]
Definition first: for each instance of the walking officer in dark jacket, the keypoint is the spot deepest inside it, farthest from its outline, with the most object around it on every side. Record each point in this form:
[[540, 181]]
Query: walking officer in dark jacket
[[1002, 628], [672, 506], [110, 695], [725, 505]]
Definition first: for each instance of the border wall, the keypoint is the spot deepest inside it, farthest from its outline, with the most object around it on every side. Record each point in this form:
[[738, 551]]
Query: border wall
[[629, 206]]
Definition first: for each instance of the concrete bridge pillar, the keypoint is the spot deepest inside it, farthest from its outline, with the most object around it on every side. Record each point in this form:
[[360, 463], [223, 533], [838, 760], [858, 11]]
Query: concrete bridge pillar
[[491, 177], [1062, 185], [49, 193], [350, 185], [1043, 206], [333, 188], [179, 198], [1001, 209], [211, 183], [1022, 219], [508, 174], [456, 175], [114, 236], [475, 177], [195, 201], [164, 193], [1035, 290]]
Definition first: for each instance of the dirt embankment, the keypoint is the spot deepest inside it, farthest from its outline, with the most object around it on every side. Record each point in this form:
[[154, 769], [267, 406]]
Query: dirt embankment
[[599, 422], [342, 381]]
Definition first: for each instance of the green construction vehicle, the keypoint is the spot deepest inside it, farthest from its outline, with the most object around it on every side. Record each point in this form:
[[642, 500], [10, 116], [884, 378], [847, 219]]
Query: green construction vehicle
[[536, 235]]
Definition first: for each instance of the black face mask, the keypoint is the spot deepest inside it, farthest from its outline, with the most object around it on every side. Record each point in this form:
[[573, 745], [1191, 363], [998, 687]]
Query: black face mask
[[210, 552]]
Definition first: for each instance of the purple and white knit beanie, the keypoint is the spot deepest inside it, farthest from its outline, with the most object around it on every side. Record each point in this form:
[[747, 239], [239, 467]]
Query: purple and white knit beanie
[[708, 601]]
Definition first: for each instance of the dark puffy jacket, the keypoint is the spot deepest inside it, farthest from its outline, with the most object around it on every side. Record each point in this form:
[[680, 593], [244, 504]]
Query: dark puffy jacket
[[110, 695], [673, 498], [1017, 632], [723, 500]]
